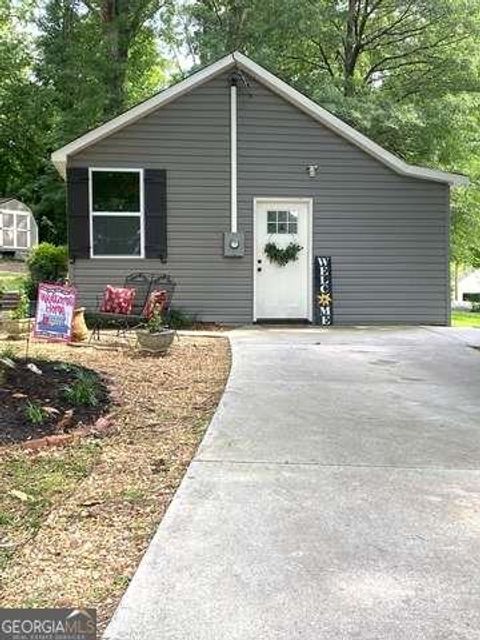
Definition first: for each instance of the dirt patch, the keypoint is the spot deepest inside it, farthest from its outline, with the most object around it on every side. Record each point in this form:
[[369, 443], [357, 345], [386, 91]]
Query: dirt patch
[[75, 521], [37, 402]]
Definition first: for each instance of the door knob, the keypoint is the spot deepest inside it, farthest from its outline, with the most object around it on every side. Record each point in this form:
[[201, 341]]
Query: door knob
[[259, 269]]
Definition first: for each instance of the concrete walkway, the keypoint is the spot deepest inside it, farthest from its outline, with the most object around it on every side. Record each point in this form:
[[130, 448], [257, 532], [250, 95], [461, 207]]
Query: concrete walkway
[[335, 496]]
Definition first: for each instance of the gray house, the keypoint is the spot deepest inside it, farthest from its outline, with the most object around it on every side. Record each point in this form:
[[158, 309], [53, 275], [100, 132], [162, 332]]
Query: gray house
[[200, 178]]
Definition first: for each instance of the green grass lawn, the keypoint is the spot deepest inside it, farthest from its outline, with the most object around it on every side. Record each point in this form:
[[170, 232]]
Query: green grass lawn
[[10, 281], [465, 319]]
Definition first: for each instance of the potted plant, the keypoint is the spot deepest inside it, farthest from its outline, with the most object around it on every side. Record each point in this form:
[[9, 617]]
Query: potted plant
[[19, 322], [154, 336]]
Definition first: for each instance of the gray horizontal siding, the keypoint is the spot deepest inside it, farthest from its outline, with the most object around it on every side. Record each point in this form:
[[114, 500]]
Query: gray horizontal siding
[[387, 234]]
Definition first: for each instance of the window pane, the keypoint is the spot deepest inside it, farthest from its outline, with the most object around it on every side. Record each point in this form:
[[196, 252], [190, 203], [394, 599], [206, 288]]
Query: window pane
[[22, 239], [271, 227], [116, 236], [271, 216], [116, 191], [282, 227], [7, 238], [282, 216], [292, 227], [22, 222], [7, 221], [292, 217]]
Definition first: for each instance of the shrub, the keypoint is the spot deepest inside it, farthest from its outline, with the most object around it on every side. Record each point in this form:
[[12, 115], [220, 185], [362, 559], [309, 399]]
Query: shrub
[[35, 413], [177, 319], [84, 391], [476, 307], [46, 263], [22, 310], [471, 297]]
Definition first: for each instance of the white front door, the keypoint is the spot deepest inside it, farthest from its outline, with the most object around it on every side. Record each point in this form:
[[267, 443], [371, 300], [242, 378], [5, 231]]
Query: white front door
[[282, 292]]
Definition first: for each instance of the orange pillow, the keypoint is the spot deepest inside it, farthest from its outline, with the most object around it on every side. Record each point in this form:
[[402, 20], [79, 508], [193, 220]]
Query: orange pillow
[[117, 300]]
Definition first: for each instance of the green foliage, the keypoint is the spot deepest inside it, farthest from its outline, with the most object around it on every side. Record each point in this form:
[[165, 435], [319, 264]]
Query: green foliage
[[405, 73], [11, 281], [8, 351], [465, 319], [84, 391], [35, 413], [22, 310], [178, 319], [46, 263], [155, 324], [282, 256]]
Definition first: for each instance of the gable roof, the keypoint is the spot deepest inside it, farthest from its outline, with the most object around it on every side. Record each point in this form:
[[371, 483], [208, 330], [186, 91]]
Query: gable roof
[[236, 59]]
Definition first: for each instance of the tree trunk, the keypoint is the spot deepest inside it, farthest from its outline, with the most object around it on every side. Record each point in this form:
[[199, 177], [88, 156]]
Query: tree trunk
[[116, 26], [456, 277], [350, 53]]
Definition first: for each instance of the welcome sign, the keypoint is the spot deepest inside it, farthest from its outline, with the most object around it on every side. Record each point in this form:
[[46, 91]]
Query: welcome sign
[[55, 307], [323, 291]]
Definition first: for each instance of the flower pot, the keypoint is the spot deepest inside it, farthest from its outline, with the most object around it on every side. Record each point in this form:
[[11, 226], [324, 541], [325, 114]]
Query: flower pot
[[157, 343], [79, 327], [16, 329]]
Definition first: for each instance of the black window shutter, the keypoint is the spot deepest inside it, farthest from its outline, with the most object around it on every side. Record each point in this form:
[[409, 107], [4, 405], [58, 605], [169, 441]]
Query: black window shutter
[[78, 213], [156, 213]]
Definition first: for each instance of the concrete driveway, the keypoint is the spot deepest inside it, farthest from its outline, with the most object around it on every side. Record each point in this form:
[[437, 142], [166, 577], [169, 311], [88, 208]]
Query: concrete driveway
[[336, 495]]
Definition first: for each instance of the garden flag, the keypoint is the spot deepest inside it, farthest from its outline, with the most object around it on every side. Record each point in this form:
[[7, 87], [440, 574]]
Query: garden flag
[[55, 306]]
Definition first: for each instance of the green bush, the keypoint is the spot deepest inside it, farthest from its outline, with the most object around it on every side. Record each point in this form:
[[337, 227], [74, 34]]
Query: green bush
[[35, 413], [22, 309], [84, 391], [46, 263], [471, 297], [177, 319]]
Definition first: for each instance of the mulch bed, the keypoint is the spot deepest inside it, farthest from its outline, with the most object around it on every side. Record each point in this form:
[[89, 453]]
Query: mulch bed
[[21, 385], [75, 520]]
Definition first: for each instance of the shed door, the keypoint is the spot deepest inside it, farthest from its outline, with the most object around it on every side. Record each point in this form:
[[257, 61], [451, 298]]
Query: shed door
[[282, 292]]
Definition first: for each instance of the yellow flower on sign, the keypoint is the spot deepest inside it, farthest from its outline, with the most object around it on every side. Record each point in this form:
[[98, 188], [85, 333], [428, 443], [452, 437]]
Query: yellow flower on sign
[[324, 299]]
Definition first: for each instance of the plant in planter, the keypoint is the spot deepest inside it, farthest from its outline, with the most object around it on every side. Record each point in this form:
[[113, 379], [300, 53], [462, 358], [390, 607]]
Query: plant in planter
[[19, 322], [154, 336], [282, 256]]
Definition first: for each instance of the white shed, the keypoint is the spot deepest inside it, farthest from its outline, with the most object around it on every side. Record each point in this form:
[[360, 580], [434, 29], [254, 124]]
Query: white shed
[[468, 284], [18, 229]]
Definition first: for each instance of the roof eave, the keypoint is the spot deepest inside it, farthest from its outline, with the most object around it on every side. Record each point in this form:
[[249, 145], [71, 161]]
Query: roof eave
[[60, 156]]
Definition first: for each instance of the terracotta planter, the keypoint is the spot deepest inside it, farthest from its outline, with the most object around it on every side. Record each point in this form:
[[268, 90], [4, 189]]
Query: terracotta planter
[[79, 328], [157, 343], [16, 329]]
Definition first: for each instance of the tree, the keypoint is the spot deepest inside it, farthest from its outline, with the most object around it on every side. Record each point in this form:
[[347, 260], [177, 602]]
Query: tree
[[22, 108], [121, 23], [405, 72]]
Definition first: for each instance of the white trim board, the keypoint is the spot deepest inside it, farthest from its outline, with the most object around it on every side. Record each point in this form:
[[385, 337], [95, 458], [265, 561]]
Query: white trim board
[[236, 59]]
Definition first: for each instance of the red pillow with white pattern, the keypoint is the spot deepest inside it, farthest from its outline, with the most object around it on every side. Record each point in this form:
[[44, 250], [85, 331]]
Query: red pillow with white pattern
[[157, 301], [117, 300]]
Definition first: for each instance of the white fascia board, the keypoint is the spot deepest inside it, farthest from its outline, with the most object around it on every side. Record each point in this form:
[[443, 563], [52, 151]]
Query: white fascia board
[[343, 129], [59, 157]]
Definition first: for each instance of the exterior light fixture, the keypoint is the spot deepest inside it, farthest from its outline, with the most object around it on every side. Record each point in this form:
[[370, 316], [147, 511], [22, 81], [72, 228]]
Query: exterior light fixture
[[312, 170]]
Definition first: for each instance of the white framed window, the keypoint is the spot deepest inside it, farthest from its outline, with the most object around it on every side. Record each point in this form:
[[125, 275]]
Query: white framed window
[[116, 200], [15, 229]]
